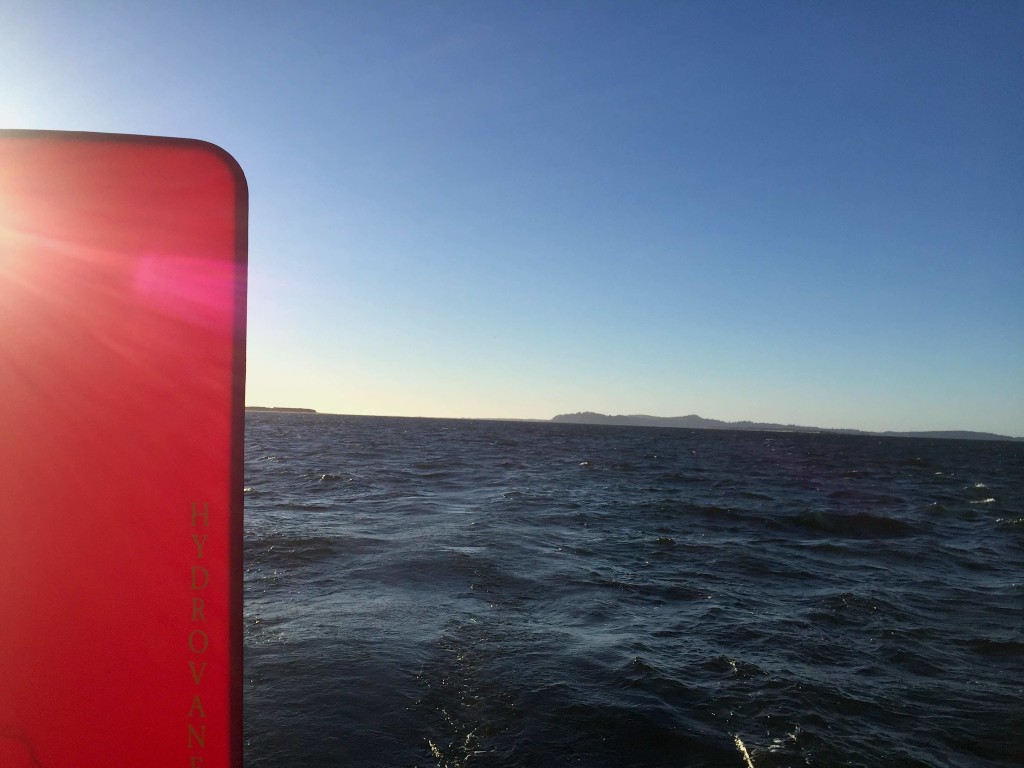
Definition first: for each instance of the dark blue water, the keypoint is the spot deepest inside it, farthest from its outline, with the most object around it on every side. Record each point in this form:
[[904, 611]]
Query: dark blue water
[[446, 593]]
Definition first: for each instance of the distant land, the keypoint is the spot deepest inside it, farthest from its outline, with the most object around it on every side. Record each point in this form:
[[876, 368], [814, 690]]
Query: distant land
[[698, 422], [277, 409]]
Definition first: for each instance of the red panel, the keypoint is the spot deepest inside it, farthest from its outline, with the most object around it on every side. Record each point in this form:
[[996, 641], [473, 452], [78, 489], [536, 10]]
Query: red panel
[[122, 309]]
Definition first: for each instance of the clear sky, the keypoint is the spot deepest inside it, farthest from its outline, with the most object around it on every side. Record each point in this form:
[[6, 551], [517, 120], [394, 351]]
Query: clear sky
[[797, 212]]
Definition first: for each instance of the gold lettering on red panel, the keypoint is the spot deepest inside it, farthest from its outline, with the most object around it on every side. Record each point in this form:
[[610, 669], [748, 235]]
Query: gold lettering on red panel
[[198, 641]]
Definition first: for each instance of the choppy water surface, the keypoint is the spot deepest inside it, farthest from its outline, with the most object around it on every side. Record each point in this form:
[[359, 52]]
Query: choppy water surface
[[444, 593]]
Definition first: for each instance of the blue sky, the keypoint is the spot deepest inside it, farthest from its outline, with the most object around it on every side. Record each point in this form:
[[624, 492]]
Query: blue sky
[[798, 212]]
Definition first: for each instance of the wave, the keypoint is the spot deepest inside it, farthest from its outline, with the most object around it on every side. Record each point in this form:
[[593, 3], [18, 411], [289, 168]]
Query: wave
[[856, 525], [282, 550]]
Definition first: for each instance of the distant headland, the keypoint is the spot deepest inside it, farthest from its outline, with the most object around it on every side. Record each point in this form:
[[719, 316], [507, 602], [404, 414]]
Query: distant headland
[[698, 422], [277, 409]]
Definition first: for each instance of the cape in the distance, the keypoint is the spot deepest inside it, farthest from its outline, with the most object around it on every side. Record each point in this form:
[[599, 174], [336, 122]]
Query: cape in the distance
[[698, 422], [278, 409]]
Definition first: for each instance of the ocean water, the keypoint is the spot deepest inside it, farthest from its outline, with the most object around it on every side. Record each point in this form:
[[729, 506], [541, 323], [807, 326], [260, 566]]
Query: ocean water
[[444, 593]]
